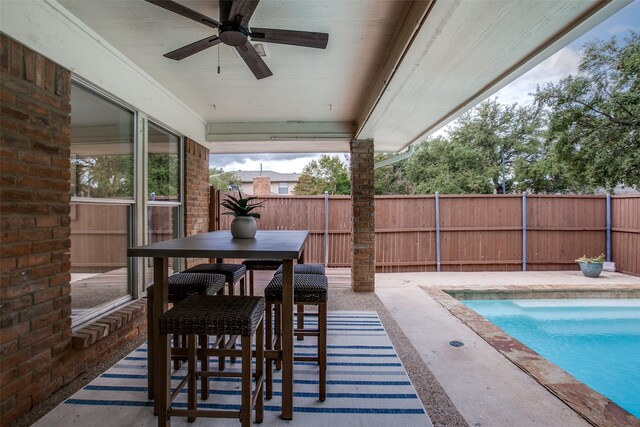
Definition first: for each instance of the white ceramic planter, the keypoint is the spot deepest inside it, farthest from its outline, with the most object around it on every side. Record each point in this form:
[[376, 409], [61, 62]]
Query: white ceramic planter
[[243, 227]]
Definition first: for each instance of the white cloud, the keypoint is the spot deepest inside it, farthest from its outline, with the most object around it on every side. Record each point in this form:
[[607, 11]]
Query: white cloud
[[283, 166], [552, 70]]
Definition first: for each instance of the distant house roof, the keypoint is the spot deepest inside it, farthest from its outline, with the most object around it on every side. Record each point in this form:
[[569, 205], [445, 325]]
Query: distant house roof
[[247, 176]]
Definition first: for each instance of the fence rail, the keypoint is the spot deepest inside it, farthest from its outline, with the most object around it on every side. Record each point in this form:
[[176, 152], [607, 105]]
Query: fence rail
[[476, 232]]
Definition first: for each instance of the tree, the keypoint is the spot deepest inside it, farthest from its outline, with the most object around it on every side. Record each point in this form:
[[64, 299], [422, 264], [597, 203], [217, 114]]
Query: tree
[[449, 167], [102, 176], [222, 180], [164, 175], [507, 139], [328, 173], [391, 179], [594, 117]]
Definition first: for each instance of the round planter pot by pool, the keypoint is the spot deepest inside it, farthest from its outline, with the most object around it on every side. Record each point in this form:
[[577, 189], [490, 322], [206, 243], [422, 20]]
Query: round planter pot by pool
[[591, 269], [243, 227]]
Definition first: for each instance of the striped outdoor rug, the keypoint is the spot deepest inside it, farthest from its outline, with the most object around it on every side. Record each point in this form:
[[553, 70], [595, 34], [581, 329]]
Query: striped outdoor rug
[[366, 386]]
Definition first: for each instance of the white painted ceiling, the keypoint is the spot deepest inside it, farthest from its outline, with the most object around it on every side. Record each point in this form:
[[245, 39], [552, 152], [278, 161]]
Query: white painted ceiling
[[392, 70]]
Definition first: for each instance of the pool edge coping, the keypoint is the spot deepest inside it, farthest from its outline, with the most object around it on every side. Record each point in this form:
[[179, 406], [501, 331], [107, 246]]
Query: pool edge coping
[[595, 408]]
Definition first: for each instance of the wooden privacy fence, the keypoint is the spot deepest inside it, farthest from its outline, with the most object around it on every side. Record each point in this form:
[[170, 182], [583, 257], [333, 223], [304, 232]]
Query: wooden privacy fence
[[473, 232]]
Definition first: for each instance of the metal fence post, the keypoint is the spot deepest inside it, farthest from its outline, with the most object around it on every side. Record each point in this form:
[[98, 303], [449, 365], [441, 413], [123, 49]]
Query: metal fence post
[[524, 231], [608, 227], [326, 228], [437, 231]]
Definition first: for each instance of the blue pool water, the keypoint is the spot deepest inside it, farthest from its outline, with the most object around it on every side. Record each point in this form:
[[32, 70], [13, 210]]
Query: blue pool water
[[595, 340]]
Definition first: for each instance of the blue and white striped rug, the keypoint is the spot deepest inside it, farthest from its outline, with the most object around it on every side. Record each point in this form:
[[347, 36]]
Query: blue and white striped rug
[[366, 386]]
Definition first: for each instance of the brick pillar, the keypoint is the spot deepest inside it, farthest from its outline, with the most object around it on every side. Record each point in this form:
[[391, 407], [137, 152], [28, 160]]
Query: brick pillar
[[363, 216], [261, 185], [196, 190], [35, 315]]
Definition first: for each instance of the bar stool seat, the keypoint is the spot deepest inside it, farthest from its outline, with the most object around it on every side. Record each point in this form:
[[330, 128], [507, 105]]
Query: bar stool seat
[[181, 285], [262, 265], [309, 289], [305, 269], [216, 315], [232, 272]]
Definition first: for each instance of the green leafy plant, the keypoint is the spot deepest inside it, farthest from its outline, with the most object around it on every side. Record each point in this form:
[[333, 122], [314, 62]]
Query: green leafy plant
[[596, 259], [241, 206]]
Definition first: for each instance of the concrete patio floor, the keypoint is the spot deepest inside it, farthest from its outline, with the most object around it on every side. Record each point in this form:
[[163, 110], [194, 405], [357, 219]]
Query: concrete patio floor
[[473, 385], [485, 387]]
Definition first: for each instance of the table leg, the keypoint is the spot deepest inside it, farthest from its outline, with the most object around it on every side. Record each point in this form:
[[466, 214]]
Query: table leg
[[161, 356], [287, 339]]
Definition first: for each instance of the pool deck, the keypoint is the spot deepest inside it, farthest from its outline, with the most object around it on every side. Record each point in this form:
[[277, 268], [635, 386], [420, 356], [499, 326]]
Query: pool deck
[[492, 379]]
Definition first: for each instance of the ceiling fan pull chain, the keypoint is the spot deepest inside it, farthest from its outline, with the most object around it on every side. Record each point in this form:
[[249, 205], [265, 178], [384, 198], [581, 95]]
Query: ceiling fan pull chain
[[218, 59]]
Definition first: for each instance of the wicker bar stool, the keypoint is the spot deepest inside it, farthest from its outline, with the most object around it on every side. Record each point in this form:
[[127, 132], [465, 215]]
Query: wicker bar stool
[[304, 269], [309, 289], [234, 273], [262, 265], [215, 315], [181, 285]]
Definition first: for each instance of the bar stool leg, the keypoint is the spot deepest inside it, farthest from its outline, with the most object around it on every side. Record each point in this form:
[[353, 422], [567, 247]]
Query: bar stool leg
[[260, 372], [251, 282], [247, 374], [204, 366], [278, 331], [192, 391], [150, 351], [300, 320], [268, 319], [322, 349]]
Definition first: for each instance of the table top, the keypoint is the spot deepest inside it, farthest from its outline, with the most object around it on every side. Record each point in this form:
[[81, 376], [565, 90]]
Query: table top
[[269, 244]]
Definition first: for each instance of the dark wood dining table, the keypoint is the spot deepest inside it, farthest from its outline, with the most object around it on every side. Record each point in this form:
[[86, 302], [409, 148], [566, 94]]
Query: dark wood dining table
[[268, 244]]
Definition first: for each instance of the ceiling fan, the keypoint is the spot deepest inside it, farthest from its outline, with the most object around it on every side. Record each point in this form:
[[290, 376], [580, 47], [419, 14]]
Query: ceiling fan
[[233, 30]]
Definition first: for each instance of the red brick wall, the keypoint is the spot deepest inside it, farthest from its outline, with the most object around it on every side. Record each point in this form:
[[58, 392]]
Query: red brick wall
[[363, 214], [35, 321], [196, 190]]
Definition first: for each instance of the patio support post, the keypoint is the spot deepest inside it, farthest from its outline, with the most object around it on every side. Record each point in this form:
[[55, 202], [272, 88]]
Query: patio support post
[[363, 266], [437, 231], [524, 231], [608, 227]]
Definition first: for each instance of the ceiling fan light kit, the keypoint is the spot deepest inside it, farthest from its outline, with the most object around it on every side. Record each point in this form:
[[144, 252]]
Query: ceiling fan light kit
[[234, 30]]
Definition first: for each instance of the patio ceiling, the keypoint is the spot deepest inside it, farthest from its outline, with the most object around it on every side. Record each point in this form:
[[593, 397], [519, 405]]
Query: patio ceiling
[[393, 70]]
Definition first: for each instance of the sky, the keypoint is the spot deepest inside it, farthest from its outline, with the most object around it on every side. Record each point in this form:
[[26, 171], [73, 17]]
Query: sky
[[556, 67]]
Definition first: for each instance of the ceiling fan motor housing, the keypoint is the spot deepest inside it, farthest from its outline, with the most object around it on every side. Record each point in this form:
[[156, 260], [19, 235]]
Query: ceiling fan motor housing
[[232, 34]]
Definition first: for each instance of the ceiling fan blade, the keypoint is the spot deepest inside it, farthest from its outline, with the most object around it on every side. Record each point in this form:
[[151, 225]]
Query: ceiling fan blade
[[295, 38], [254, 61], [243, 8], [192, 48], [186, 12]]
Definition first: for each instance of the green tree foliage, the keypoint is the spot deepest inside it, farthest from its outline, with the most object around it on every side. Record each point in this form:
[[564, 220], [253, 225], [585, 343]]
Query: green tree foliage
[[164, 175], [328, 173], [594, 117], [449, 167], [222, 180], [102, 176], [391, 179]]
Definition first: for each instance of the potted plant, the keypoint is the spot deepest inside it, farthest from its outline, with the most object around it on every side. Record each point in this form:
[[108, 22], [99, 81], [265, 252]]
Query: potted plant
[[591, 267], [243, 225]]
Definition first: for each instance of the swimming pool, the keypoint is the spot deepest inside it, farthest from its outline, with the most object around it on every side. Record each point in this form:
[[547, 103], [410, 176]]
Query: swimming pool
[[595, 340]]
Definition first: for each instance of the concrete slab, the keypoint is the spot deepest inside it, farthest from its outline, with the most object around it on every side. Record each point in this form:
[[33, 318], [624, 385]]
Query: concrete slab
[[487, 389]]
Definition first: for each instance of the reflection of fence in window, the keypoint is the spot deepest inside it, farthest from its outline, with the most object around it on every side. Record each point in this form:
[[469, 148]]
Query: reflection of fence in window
[[99, 238], [161, 226]]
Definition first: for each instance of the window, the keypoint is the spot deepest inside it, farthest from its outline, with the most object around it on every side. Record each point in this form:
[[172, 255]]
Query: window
[[102, 192], [283, 188], [163, 206], [108, 201]]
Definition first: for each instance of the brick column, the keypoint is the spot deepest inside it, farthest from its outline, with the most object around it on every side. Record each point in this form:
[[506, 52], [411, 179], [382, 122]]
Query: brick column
[[35, 321], [363, 216], [261, 186], [196, 190]]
